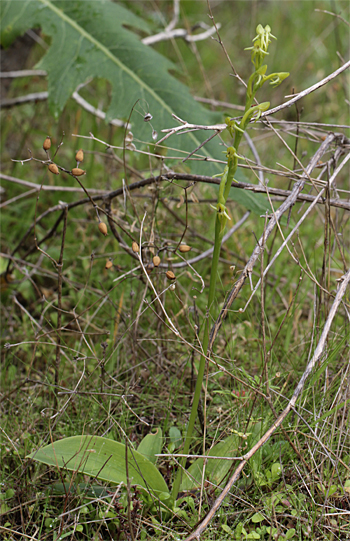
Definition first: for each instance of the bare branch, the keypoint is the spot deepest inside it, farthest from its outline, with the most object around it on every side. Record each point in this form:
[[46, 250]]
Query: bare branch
[[22, 73]]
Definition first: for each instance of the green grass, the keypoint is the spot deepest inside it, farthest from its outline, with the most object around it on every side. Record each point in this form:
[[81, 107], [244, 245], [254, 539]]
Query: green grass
[[149, 375]]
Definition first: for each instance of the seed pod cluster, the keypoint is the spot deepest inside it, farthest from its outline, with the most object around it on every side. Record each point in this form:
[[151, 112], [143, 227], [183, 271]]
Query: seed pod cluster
[[109, 264], [170, 275], [103, 228], [78, 172], [135, 247], [54, 169], [156, 260], [184, 248], [47, 143]]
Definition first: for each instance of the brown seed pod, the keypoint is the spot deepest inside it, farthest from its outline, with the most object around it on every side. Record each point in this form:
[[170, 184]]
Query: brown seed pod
[[103, 228], [135, 247], [109, 264], [54, 169], [184, 248], [156, 260], [78, 172], [47, 143], [79, 155], [149, 268], [170, 275]]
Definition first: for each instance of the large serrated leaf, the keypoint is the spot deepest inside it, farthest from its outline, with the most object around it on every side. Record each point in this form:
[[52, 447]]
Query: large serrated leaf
[[90, 39], [102, 458]]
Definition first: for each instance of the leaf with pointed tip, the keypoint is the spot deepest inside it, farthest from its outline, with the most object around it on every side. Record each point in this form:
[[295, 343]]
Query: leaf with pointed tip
[[102, 458]]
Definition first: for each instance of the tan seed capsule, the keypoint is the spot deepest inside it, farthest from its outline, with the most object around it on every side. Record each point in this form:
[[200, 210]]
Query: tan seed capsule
[[156, 260], [184, 248], [54, 169], [109, 264], [135, 247], [47, 143], [170, 275], [78, 172], [103, 228], [79, 155]]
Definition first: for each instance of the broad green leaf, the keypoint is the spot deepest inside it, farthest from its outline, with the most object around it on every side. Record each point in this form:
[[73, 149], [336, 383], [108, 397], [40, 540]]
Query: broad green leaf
[[258, 205], [90, 39], [215, 469], [151, 445], [101, 458]]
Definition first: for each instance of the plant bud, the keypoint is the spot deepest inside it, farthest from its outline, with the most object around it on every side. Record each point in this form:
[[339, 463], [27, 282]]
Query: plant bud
[[156, 260], [79, 155], [47, 143], [78, 172], [54, 169], [184, 248], [135, 247], [170, 275], [109, 264], [103, 228]]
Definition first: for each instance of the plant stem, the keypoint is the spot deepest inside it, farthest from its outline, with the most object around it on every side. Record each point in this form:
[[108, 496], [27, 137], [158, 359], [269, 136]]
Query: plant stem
[[256, 80], [219, 232]]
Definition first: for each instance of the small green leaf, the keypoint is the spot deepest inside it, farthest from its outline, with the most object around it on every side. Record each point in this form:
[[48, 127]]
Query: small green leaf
[[101, 458], [175, 436], [275, 470], [239, 530], [290, 533], [151, 445], [257, 517], [332, 490]]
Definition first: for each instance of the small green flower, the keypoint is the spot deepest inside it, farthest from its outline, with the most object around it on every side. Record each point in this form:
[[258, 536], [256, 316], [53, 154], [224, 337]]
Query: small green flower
[[277, 78]]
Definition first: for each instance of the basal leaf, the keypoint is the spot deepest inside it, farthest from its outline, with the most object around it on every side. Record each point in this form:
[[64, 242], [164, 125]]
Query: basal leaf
[[101, 458], [216, 468], [93, 39]]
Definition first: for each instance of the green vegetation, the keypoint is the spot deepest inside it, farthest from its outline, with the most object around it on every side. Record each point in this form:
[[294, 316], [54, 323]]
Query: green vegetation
[[107, 379]]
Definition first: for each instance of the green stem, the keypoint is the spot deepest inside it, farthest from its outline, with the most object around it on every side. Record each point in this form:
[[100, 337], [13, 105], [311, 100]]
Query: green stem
[[219, 233]]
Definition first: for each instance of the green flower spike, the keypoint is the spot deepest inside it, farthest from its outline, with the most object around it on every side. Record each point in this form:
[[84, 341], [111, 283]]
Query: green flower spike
[[261, 44]]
